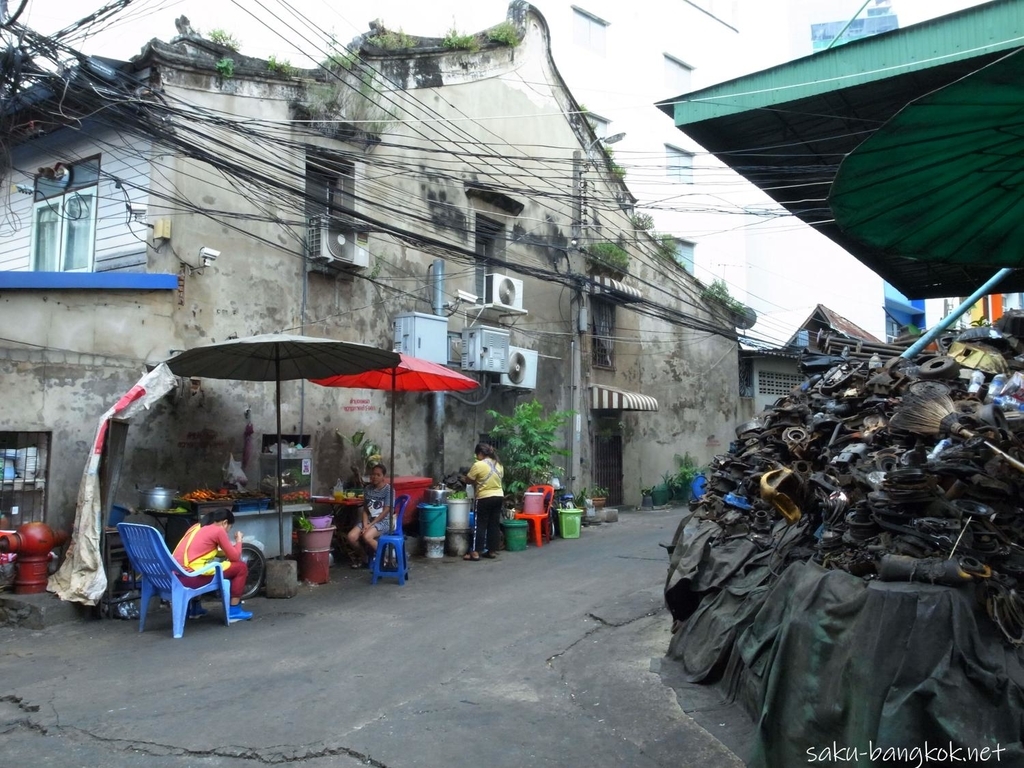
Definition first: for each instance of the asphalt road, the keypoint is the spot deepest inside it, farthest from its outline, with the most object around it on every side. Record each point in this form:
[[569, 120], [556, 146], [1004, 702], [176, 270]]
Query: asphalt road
[[547, 657]]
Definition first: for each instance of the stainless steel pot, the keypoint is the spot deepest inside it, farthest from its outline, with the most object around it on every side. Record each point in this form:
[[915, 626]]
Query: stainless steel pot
[[436, 496], [156, 498]]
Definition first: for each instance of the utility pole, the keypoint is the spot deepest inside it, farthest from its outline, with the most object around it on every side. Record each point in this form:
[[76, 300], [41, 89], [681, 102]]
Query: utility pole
[[578, 322]]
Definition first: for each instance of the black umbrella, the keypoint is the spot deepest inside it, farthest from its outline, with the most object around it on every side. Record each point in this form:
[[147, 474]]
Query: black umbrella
[[280, 357]]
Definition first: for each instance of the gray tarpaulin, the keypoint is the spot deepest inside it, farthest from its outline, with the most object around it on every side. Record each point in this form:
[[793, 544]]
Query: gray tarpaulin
[[829, 664]]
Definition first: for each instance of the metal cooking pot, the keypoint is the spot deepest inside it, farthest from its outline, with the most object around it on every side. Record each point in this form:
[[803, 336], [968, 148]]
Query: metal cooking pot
[[436, 496], [156, 498]]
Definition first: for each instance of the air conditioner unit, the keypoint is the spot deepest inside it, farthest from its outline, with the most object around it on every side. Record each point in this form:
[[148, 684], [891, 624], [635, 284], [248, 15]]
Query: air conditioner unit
[[485, 349], [522, 369], [504, 291], [331, 245]]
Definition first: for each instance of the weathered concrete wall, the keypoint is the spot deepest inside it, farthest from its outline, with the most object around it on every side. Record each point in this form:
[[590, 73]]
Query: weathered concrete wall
[[519, 142]]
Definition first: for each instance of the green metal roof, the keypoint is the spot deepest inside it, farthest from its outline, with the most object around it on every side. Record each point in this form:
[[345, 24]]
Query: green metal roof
[[787, 128]]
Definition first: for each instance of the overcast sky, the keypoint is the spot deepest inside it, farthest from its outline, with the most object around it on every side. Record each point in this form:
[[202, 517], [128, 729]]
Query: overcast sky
[[262, 26]]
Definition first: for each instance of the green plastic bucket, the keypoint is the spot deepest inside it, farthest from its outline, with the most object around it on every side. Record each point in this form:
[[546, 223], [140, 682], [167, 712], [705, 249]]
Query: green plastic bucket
[[515, 534], [569, 522], [661, 494], [433, 518]]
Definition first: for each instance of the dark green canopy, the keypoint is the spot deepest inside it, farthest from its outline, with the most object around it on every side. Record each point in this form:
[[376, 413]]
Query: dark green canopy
[[943, 180]]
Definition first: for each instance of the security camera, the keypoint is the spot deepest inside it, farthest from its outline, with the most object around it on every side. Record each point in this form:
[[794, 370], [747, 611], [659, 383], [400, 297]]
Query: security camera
[[466, 296], [208, 255], [137, 212]]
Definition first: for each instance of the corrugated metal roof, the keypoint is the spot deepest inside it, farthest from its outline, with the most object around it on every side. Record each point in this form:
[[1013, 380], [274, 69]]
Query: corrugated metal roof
[[799, 120]]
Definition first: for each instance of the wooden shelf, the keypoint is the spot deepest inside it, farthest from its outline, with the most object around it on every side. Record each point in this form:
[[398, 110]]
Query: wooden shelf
[[24, 485]]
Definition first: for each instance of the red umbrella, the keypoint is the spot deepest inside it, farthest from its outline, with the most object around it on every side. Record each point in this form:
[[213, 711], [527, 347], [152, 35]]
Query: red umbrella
[[412, 374]]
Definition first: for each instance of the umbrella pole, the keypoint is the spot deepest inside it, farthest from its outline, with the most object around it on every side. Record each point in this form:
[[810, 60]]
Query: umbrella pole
[[392, 458], [280, 504]]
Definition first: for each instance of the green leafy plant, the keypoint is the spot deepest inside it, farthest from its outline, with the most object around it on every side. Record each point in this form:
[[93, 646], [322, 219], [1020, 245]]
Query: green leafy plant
[[599, 492], [665, 247], [221, 37], [304, 524], [609, 255], [504, 33], [685, 474], [580, 499], [718, 291], [367, 450], [281, 67], [390, 40], [338, 56], [646, 490], [528, 448], [226, 67], [456, 41], [458, 495], [643, 222]]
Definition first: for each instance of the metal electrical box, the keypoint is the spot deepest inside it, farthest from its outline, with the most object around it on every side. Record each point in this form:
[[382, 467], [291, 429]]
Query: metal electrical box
[[423, 336], [485, 349]]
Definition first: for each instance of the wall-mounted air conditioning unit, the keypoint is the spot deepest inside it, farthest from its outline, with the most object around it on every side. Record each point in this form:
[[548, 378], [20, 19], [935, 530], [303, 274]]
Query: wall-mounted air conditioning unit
[[423, 336], [504, 292], [522, 369], [485, 349], [332, 245]]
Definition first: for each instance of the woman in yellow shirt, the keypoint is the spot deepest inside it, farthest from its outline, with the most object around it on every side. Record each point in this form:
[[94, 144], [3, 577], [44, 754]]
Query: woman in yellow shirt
[[486, 475]]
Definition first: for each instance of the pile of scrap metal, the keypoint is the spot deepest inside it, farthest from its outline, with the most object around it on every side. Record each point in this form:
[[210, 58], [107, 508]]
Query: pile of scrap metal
[[889, 469]]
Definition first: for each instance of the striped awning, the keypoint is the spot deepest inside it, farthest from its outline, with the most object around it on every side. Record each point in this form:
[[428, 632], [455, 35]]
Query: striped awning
[[616, 289], [611, 399]]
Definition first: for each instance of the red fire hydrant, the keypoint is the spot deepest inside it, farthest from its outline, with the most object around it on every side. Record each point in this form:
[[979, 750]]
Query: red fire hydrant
[[32, 542]]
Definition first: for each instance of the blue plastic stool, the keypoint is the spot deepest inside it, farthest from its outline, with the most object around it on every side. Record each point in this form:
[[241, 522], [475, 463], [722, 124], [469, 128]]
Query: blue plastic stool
[[396, 539]]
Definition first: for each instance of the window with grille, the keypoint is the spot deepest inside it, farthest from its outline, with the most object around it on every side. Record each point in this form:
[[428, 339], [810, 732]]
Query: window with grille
[[602, 333], [330, 195], [588, 31], [775, 383], [24, 456], [746, 378], [490, 235], [64, 217], [679, 164]]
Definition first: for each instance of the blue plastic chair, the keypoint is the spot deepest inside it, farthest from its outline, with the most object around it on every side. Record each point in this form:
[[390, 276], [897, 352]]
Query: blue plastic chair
[[394, 539], [147, 551]]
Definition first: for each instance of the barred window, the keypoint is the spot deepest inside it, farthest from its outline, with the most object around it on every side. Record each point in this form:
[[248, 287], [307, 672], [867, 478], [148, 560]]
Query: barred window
[[775, 383], [602, 333]]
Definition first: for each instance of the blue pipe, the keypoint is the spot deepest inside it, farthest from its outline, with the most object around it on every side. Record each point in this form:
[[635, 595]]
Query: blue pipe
[[927, 338]]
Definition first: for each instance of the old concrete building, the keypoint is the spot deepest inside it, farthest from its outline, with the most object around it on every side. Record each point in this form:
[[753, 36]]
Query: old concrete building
[[405, 192]]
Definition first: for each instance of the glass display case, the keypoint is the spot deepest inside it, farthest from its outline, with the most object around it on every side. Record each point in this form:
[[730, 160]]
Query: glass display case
[[296, 475]]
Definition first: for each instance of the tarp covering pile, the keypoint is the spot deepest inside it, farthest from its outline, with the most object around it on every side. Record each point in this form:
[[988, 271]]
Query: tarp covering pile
[[853, 579]]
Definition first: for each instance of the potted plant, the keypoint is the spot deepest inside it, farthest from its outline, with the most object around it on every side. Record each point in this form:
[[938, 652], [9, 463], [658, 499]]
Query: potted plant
[[663, 492], [579, 500], [527, 439], [684, 476], [647, 499], [599, 495]]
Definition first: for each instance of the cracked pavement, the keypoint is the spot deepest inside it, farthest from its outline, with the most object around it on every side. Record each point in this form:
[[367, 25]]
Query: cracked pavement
[[547, 657]]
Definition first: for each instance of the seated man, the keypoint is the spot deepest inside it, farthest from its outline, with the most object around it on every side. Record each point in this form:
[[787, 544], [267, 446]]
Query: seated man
[[375, 514]]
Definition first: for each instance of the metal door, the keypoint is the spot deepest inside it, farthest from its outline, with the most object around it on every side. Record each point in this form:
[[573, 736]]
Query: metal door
[[607, 465]]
